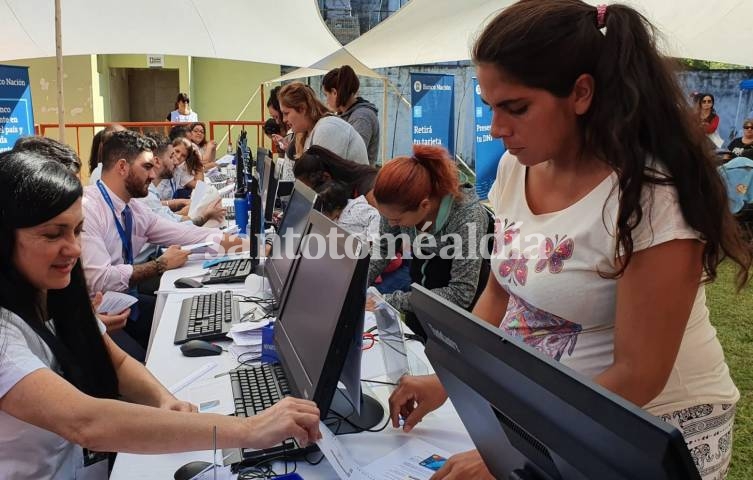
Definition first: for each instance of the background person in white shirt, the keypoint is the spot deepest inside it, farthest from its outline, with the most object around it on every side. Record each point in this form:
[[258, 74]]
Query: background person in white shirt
[[183, 112], [61, 376], [610, 217]]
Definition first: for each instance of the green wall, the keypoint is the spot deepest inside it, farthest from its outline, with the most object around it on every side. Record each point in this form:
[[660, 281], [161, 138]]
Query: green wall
[[221, 90]]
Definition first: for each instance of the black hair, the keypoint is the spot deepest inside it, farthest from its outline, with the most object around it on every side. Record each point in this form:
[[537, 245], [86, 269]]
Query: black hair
[[95, 155], [273, 100], [193, 125], [33, 190], [271, 127], [161, 143], [126, 144], [638, 113], [177, 131], [333, 195], [317, 161], [182, 97], [49, 148], [345, 81], [712, 112]]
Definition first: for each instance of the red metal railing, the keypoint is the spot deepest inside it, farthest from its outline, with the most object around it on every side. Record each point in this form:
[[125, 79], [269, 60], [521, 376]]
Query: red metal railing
[[42, 128]]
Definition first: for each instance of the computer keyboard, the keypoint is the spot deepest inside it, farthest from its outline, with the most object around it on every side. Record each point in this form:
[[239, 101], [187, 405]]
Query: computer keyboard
[[217, 177], [207, 317], [256, 389], [231, 271]]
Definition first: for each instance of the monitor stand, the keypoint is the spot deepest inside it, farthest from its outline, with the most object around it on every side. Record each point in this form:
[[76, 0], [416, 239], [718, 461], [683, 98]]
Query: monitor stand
[[371, 414]]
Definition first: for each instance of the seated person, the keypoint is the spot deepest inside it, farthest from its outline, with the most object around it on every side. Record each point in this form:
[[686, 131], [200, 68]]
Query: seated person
[[66, 390], [95, 155], [47, 147], [319, 165], [353, 214], [314, 124], [422, 202], [743, 146], [603, 244], [164, 167], [117, 229], [189, 168], [207, 148]]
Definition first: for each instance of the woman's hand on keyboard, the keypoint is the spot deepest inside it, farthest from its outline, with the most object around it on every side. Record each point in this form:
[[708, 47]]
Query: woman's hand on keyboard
[[290, 417]]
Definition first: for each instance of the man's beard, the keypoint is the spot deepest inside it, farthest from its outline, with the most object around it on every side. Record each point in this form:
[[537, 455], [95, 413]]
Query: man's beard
[[135, 188]]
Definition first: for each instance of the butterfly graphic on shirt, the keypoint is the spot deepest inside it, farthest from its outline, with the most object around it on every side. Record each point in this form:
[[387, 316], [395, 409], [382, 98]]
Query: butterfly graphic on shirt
[[514, 268], [505, 232], [544, 331], [555, 252]]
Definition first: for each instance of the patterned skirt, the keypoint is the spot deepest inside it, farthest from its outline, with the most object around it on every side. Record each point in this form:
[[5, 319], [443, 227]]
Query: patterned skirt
[[708, 433]]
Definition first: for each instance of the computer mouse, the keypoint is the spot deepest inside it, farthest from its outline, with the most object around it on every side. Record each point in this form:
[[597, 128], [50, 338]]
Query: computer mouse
[[190, 470], [200, 348], [188, 282]]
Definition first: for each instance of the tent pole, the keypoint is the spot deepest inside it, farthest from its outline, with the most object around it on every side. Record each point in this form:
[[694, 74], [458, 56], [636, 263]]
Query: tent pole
[[59, 58], [384, 121]]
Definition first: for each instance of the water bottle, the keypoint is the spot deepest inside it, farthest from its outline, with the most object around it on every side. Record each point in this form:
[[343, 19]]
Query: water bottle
[[241, 212]]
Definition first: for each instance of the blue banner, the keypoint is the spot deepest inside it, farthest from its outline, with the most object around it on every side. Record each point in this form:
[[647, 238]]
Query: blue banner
[[433, 102], [488, 150], [16, 114]]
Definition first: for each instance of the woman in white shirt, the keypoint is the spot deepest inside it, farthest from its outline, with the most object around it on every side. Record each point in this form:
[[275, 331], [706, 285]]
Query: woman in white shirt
[[313, 124], [61, 376], [183, 112], [610, 216], [189, 168]]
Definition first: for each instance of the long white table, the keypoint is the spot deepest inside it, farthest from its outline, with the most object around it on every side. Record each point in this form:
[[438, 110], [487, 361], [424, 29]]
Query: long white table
[[441, 428]]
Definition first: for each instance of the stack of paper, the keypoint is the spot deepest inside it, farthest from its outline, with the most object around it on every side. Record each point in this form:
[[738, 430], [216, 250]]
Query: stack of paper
[[247, 336]]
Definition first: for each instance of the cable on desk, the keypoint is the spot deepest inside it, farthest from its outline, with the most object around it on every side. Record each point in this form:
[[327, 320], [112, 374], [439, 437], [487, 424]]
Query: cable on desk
[[263, 470], [379, 382], [342, 418]]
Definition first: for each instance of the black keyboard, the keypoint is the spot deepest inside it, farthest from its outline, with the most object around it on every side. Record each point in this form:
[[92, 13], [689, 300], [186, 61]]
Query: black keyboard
[[217, 177], [230, 271], [206, 317], [256, 389]]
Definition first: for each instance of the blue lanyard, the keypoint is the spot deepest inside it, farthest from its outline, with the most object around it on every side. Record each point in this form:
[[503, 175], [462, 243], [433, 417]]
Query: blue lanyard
[[125, 237], [172, 185]]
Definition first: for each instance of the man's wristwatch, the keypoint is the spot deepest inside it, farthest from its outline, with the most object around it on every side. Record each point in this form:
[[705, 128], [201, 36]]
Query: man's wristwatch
[[161, 265]]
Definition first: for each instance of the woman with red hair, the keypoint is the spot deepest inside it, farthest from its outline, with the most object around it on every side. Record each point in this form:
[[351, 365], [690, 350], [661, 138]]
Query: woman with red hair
[[422, 202]]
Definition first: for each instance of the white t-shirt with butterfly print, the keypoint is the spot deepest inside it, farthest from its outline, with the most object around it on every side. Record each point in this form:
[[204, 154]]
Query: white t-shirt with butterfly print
[[559, 303]]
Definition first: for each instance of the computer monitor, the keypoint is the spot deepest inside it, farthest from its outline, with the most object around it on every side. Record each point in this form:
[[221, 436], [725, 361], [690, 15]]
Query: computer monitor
[[286, 242], [313, 343], [533, 418], [270, 202], [266, 184], [240, 176], [261, 154]]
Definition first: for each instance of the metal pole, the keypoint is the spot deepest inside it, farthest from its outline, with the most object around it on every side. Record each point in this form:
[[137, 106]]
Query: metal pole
[[59, 56], [384, 121]]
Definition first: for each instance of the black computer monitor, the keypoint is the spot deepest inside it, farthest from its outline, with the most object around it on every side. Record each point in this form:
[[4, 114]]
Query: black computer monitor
[[321, 319], [240, 176], [287, 240], [270, 202], [261, 154], [267, 184], [533, 418]]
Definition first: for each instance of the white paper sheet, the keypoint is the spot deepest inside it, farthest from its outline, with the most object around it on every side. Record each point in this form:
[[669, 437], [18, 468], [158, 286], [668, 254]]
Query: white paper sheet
[[213, 396], [116, 302], [405, 462]]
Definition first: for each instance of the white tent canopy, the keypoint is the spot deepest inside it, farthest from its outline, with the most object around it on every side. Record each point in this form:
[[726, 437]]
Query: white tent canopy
[[230, 29], [337, 59], [428, 31]]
